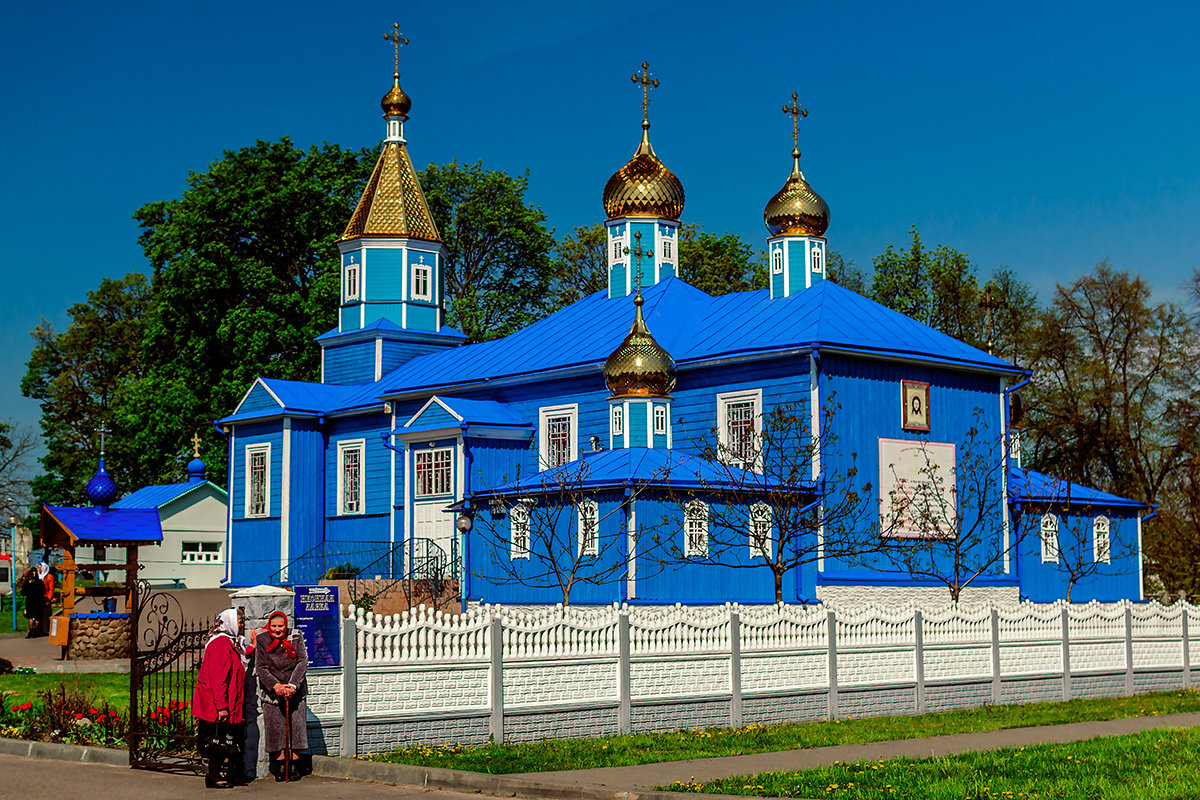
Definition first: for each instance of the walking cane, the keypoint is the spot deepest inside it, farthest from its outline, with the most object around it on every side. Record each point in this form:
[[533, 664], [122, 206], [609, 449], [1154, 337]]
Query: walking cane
[[287, 750]]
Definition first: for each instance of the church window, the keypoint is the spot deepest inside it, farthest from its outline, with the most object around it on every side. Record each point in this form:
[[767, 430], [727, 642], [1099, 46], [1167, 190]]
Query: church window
[[589, 528], [760, 531], [618, 420], [258, 480], [777, 261], [200, 553], [695, 529], [1049, 530], [351, 281], [518, 520], [666, 248], [739, 426], [817, 264], [350, 477], [433, 472], [420, 280], [660, 419], [618, 249], [1101, 548], [557, 442]]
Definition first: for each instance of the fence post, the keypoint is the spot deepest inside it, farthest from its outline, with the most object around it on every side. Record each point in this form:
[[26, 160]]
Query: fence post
[[1187, 650], [349, 738], [1128, 650], [919, 658], [1066, 653], [831, 633], [624, 701], [996, 693], [496, 645], [735, 669]]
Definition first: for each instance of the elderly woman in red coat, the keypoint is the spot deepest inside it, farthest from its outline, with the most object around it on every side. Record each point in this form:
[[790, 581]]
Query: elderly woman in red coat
[[280, 661], [217, 699]]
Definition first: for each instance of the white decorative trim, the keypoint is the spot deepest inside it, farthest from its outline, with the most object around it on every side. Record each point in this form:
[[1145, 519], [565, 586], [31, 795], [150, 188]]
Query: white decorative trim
[[726, 399], [760, 513], [587, 546], [695, 547], [1102, 540], [545, 414], [1048, 530], [519, 530], [250, 449], [344, 447]]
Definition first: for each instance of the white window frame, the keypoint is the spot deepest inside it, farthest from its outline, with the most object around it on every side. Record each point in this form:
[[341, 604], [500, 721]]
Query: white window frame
[[518, 530], [666, 250], [350, 286], [422, 275], [1102, 540], [777, 261], [695, 529], [760, 514], [618, 420], [202, 554], [724, 401], [588, 545], [545, 416], [263, 448], [660, 420], [437, 464], [344, 492], [817, 260], [618, 252], [1048, 530]]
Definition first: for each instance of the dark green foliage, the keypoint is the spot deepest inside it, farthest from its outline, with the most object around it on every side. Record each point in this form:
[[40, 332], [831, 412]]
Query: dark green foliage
[[580, 265], [719, 264]]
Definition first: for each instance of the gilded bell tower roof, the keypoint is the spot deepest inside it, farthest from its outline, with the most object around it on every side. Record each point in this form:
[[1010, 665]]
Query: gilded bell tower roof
[[639, 367], [644, 187], [796, 209]]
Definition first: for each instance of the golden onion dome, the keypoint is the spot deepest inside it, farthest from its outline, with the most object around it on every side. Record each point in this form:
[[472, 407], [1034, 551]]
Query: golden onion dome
[[396, 103], [639, 367], [644, 187], [796, 208]]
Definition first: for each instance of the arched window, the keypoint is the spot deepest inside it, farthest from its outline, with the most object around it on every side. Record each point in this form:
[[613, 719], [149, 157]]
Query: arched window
[[760, 531], [518, 520], [1049, 539], [695, 529], [777, 260], [817, 263], [589, 527], [618, 420], [1101, 548]]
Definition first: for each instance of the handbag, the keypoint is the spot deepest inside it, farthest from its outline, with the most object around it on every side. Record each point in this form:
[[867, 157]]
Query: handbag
[[221, 744]]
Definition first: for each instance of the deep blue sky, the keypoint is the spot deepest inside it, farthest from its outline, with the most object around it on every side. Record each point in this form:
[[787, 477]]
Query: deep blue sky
[[1041, 136]]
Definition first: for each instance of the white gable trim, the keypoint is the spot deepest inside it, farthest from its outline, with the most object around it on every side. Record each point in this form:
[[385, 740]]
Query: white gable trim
[[430, 402], [259, 382]]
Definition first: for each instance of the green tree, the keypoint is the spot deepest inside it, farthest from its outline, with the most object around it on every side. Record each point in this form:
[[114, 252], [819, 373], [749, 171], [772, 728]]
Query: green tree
[[580, 266], [901, 280], [78, 377], [16, 449], [719, 264], [498, 267], [845, 273]]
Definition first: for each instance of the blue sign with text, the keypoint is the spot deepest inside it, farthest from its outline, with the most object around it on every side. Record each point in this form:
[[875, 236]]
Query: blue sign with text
[[317, 617]]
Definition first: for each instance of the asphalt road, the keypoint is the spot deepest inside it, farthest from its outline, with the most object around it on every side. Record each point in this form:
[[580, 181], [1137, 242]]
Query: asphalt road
[[25, 778]]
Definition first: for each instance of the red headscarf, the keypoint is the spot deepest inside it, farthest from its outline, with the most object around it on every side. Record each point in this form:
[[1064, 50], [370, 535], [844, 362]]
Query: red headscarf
[[283, 641]]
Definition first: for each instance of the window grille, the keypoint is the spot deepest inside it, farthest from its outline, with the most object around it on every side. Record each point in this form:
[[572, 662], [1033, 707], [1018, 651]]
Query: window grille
[[258, 484], [352, 480], [695, 526], [1049, 539], [433, 472], [589, 528], [1101, 545], [760, 531], [558, 440]]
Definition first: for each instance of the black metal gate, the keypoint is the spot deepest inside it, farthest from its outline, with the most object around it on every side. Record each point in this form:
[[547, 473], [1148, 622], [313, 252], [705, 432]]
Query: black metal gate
[[165, 655]]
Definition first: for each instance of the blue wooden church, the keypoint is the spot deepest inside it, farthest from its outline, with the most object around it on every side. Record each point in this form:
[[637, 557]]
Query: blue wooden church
[[623, 445]]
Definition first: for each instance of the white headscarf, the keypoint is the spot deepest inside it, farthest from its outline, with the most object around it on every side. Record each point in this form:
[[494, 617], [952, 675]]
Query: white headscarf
[[43, 569], [227, 625]]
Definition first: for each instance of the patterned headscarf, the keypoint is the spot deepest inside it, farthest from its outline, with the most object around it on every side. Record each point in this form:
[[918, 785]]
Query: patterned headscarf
[[282, 641]]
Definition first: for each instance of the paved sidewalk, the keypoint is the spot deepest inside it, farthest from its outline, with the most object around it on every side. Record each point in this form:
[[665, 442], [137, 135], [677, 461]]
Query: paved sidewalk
[[647, 776]]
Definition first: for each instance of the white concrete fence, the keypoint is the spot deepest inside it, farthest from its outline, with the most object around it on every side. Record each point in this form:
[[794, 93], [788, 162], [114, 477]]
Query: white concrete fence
[[518, 675]]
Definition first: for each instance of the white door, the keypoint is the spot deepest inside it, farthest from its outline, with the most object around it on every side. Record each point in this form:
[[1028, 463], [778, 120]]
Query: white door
[[432, 523]]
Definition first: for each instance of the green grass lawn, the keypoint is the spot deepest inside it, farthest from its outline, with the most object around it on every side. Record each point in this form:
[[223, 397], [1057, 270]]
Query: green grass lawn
[[6, 617], [1152, 765], [112, 687], [647, 748]]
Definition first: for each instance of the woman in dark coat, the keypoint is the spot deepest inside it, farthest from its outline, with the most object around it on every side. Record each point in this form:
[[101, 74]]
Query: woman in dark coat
[[280, 662], [220, 688], [34, 592]]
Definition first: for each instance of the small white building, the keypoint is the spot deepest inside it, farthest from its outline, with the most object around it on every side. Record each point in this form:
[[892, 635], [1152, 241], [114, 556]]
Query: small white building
[[193, 514]]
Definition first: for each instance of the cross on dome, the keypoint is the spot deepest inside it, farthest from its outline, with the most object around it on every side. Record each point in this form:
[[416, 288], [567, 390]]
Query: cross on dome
[[397, 41], [196, 445], [795, 112], [103, 431], [648, 82]]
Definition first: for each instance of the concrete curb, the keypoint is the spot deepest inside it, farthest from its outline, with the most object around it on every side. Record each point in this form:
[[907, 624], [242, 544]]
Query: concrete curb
[[55, 751], [483, 783]]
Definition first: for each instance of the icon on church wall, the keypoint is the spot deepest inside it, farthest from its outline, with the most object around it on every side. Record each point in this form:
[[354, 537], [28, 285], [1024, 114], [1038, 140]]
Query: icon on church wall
[[915, 396]]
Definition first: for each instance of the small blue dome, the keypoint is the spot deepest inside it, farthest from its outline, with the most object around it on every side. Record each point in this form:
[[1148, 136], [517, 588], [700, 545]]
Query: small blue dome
[[101, 489], [195, 470]]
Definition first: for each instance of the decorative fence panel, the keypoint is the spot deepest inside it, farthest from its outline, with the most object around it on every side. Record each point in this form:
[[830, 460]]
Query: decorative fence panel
[[518, 674]]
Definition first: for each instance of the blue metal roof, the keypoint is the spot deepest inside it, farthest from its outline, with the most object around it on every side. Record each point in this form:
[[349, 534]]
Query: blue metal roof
[[382, 324], [692, 325], [112, 525], [637, 466], [483, 412], [1025, 485], [159, 495]]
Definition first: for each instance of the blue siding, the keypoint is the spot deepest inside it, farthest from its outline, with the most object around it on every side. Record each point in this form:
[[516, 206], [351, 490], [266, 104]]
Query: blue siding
[[492, 462], [616, 280], [637, 424], [396, 353], [257, 433], [305, 529], [348, 318], [376, 466], [259, 398], [255, 543], [436, 416], [370, 528], [1117, 580], [795, 264], [350, 363], [385, 276], [422, 317]]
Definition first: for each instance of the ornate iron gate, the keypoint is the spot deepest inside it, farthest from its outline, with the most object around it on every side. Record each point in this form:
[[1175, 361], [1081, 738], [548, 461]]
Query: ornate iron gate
[[165, 655]]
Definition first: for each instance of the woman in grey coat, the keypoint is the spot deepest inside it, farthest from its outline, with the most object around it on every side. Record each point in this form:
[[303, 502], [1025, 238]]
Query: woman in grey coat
[[280, 662]]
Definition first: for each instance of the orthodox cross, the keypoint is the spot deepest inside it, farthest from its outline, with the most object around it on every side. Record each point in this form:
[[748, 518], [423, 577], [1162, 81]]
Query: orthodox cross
[[196, 444], [638, 252], [103, 431], [397, 40], [648, 82], [796, 112], [988, 305]]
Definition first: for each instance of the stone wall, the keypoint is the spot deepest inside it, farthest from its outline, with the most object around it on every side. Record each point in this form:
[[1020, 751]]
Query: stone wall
[[98, 636]]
